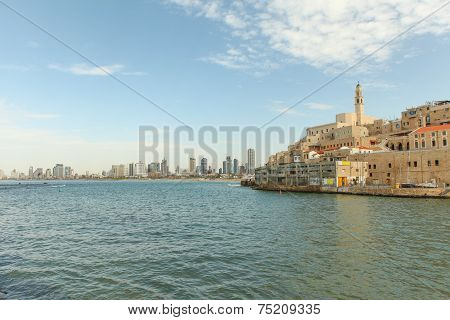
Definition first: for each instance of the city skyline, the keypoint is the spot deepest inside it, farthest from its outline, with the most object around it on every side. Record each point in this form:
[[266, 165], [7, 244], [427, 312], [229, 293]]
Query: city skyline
[[71, 111], [138, 169]]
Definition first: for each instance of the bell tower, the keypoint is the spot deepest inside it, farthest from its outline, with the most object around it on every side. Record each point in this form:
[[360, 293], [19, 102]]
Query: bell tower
[[359, 104]]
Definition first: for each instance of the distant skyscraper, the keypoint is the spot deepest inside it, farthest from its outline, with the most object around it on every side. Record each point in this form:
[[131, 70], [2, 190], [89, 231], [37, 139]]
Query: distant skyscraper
[[235, 166], [224, 167], [164, 168], [38, 173], [30, 172], [131, 170], [154, 167], [192, 165], [67, 172], [204, 166], [58, 171], [140, 170], [229, 165], [220, 171], [251, 161]]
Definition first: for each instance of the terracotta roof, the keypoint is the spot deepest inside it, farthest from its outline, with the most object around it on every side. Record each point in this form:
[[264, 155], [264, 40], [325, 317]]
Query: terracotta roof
[[433, 128]]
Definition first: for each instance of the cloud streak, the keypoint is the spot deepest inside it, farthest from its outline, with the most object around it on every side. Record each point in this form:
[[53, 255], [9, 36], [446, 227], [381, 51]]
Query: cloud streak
[[82, 69], [319, 106], [329, 35]]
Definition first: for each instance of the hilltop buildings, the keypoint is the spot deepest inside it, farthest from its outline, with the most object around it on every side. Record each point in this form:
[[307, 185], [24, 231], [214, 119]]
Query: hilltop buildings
[[411, 150]]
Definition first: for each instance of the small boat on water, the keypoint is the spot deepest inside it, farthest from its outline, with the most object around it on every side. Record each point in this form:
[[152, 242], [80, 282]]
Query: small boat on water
[[234, 185]]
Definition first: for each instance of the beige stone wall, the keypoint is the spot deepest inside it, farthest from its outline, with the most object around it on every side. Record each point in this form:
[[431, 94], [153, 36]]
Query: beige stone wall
[[438, 139], [346, 119], [418, 166], [418, 117]]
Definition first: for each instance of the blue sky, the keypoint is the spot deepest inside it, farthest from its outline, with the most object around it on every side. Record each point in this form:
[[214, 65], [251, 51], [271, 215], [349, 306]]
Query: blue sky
[[206, 62]]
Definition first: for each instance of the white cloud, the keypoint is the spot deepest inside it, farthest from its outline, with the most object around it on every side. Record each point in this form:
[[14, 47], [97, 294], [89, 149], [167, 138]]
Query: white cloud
[[319, 106], [82, 69], [280, 107], [378, 84], [86, 70], [329, 35]]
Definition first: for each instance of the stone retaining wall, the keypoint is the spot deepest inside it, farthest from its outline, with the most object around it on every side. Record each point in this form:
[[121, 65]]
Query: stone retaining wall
[[368, 191]]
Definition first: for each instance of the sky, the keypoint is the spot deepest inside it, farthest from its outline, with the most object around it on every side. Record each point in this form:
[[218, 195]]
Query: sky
[[206, 63]]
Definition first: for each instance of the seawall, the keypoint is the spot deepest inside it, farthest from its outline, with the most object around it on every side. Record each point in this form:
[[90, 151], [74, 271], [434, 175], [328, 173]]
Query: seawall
[[366, 191]]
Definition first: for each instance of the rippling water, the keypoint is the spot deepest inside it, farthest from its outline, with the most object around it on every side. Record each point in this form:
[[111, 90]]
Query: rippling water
[[209, 240]]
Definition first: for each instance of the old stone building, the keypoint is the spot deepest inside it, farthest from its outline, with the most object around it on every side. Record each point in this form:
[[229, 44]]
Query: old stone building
[[410, 150]]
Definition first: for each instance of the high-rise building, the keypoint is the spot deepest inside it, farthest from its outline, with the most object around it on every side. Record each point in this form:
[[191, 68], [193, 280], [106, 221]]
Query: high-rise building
[[48, 174], [154, 168], [38, 173], [251, 161], [164, 168], [224, 167], [192, 165], [30, 172], [229, 165], [68, 172], [220, 171], [58, 171], [235, 166], [119, 171], [204, 166], [140, 170], [131, 170], [2, 175]]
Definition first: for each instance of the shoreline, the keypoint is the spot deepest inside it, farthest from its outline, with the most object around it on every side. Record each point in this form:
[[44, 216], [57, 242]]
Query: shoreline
[[126, 179], [430, 193]]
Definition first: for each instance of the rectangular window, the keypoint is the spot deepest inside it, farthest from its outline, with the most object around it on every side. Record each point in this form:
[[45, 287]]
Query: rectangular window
[[370, 166], [444, 142], [433, 134], [429, 163], [370, 174], [388, 174], [436, 163], [415, 164], [390, 165], [444, 133], [409, 163], [423, 143], [374, 166], [433, 143], [416, 144]]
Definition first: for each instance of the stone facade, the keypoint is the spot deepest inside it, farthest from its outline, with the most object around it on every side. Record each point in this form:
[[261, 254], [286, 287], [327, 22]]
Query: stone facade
[[410, 150], [407, 167]]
